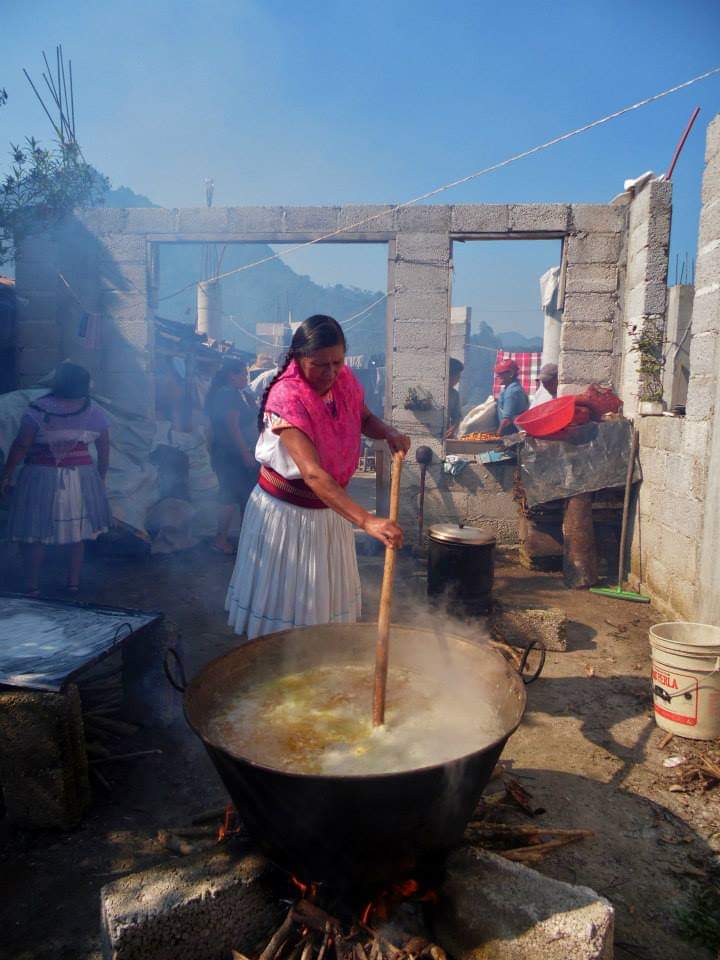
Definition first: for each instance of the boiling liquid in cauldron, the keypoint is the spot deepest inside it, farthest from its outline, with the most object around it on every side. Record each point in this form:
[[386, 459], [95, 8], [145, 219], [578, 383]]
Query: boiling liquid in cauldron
[[319, 721]]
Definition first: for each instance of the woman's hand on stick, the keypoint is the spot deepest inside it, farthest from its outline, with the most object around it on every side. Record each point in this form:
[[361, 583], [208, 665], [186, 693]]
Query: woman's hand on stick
[[384, 530], [398, 442]]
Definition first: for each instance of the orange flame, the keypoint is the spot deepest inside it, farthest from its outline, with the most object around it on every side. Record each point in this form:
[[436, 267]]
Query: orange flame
[[231, 823], [307, 890], [381, 907]]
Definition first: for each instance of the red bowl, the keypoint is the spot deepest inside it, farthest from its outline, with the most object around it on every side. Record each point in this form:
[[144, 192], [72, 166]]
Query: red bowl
[[547, 418]]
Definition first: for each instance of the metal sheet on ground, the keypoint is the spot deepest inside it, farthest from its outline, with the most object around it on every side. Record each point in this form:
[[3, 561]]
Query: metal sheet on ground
[[44, 643]]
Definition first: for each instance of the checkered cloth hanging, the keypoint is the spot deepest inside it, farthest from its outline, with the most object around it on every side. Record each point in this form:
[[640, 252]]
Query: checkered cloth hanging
[[528, 370]]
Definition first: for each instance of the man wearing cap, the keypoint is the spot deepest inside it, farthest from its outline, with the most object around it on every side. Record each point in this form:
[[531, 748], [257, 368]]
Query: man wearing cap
[[548, 377], [512, 400]]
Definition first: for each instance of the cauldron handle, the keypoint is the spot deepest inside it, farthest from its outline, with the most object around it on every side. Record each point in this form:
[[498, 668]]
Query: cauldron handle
[[172, 654], [531, 678]]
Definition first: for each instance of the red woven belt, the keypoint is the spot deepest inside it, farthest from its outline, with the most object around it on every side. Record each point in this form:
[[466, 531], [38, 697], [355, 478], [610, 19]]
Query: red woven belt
[[296, 492]]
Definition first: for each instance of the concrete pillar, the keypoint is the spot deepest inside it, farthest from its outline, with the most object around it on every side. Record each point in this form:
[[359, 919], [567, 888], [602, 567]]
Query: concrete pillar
[[704, 386], [209, 309], [460, 319], [677, 344], [417, 360], [591, 308], [645, 282]]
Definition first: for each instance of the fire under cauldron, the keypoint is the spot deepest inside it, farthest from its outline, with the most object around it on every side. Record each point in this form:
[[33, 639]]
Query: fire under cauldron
[[359, 831]]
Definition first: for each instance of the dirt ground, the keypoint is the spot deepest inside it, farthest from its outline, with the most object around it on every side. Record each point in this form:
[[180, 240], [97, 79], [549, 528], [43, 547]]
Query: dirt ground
[[587, 751]]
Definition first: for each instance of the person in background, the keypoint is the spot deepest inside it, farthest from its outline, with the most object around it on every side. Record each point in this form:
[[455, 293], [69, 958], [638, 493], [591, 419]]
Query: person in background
[[232, 414], [512, 400], [260, 374], [548, 379], [59, 498], [454, 412]]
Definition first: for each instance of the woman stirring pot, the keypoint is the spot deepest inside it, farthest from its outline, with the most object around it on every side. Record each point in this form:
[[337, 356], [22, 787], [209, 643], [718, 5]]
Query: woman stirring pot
[[296, 563]]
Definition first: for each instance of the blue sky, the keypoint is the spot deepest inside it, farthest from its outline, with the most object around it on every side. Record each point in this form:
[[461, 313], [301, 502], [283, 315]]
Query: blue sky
[[312, 101]]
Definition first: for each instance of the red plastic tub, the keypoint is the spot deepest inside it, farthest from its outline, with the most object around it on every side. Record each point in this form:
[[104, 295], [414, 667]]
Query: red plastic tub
[[548, 418]]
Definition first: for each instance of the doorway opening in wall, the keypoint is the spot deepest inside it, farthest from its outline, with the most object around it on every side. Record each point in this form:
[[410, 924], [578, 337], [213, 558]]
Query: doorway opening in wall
[[253, 314], [499, 290]]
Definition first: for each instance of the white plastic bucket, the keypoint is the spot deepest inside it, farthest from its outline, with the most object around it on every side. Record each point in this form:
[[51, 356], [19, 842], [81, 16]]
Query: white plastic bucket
[[686, 678]]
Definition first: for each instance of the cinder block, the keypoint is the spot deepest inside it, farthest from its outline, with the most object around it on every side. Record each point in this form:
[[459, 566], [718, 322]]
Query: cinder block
[[696, 434], [122, 248], [202, 220], [423, 248], [683, 598], [538, 217], [677, 473], [423, 336], [593, 248], [653, 464], [649, 430], [424, 218], [480, 218], [493, 909], [704, 354], [706, 310], [701, 398], [262, 220], [34, 363], [151, 220], [709, 222], [123, 306], [199, 908], [420, 305], [519, 626], [698, 478], [645, 298], [100, 220], [135, 334], [126, 278], [597, 218], [587, 337], [431, 368], [711, 179], [38, 308], [585, 307], [43, 335], [707, 269], [670, 433], [384, 218], [591, 278], [586, 368], [650, 264], [43, 764], [422, 276], [315, 220]]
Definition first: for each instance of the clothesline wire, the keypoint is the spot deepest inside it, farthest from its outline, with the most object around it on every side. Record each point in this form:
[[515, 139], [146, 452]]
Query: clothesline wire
[[461, 180]]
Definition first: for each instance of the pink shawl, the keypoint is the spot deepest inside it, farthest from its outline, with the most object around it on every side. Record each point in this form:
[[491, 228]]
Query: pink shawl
[[333, 429]]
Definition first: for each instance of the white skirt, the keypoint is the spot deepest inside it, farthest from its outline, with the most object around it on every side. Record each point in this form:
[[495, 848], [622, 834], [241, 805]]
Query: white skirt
[[295, 567]]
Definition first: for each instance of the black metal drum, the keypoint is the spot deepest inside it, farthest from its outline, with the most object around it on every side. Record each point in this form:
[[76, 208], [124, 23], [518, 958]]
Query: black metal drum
[[461, 567]]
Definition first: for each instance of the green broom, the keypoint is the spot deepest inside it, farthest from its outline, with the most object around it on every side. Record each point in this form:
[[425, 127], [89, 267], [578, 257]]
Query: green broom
[[617, 592]]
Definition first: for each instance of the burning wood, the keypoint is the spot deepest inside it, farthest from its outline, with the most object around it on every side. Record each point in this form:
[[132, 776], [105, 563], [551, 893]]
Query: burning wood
[[308, 932]]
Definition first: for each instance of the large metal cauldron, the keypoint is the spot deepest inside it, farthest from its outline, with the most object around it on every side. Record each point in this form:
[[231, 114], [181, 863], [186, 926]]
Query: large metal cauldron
[[354, 831]]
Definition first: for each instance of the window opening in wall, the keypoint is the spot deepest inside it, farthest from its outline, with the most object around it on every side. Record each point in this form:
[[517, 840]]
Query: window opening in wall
[[252, 315], [504, 304]]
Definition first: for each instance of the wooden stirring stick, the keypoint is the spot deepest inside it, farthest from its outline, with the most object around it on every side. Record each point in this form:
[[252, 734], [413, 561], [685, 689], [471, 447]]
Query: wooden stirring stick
[[383, 637]]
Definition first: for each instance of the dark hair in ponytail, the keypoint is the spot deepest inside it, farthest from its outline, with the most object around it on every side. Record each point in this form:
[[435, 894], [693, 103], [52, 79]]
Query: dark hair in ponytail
[[315, 333]]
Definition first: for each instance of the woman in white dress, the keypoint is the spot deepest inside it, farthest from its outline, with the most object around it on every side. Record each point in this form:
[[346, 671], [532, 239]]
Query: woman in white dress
[[296, 563]]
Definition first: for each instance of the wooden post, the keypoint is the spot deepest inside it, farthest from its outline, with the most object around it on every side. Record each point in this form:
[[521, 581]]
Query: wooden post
[[383, 637]]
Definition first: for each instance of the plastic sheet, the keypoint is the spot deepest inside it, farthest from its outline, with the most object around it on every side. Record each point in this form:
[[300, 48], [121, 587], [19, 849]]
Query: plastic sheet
[[593, 457]]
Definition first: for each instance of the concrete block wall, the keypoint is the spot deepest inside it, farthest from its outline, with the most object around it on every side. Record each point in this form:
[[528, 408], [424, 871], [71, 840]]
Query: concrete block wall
[[645, 293], [676, 533], [108, 256]]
